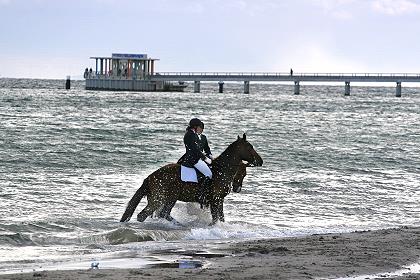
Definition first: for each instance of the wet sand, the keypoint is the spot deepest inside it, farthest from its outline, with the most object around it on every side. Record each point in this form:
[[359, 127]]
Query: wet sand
[[326, 256]]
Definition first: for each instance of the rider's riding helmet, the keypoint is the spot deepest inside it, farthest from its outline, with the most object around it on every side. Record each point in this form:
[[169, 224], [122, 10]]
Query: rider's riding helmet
[[196, 122]]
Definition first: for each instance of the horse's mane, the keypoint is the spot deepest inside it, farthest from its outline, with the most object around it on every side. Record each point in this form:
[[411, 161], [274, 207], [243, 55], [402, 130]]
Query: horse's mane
[[230, 147], [227, 151]]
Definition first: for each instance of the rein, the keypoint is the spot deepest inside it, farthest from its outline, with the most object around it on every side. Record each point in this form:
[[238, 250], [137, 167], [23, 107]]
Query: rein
[[246, 165]]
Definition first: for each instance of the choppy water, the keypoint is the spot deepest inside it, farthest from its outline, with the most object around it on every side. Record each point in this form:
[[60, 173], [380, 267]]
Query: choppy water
[[71, 160]]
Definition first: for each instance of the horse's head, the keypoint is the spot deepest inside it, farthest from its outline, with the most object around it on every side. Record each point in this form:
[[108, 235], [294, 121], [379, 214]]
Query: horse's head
[[239, 177], [246, 152]]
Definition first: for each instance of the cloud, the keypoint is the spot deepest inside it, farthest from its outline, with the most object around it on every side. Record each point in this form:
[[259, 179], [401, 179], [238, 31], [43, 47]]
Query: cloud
[[315, 58], [395, 7], [5, 2], [348, 9], [339, 9]]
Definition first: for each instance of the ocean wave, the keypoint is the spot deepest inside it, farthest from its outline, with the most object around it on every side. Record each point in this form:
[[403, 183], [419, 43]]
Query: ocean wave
[[16, 239], [128, 235]]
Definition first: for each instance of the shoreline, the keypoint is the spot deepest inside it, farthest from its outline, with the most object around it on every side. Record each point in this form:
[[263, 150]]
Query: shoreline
[[319, 256]]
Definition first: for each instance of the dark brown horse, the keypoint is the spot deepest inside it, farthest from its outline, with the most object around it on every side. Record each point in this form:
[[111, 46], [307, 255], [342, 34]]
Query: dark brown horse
[[164, 186]]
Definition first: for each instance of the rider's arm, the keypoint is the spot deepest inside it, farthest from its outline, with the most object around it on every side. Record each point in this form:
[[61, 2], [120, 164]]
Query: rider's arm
[[191, 143], [206, 146]]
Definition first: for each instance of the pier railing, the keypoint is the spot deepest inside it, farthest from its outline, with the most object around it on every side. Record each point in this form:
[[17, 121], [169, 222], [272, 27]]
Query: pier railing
[[280, 76], [286, 74]]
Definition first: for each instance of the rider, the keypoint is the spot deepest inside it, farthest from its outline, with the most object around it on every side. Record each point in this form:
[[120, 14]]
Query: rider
[[198, 155]]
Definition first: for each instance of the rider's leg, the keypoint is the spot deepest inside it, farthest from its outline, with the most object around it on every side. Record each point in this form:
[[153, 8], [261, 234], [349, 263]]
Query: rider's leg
[[203, 168]]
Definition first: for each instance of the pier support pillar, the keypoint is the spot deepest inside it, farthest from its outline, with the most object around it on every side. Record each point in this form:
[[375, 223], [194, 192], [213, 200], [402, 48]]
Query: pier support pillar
[[221, 87], [347, 89], [196, 86], [297, 87], [246, 87], [68, 82], [101, 65], [398, 90]]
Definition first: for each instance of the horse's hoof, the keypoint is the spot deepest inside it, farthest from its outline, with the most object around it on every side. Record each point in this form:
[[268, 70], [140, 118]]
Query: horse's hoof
[[176, 223], [169, 218], [141, 218]]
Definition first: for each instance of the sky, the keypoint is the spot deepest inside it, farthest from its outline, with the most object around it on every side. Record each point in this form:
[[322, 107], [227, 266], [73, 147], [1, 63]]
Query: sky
[[55, 38]]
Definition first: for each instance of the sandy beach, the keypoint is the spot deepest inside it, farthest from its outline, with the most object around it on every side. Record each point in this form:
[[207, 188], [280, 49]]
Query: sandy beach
[[326, 256]]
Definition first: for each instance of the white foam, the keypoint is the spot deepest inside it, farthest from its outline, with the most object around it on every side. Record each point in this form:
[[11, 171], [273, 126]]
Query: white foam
[[190, 215], [232, 231], [244, 230], [411, 269]]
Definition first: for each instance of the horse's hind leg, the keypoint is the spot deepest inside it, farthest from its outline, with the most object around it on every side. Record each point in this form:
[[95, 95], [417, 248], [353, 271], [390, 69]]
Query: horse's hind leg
[[221, 213], [166, 211], [147, 211]]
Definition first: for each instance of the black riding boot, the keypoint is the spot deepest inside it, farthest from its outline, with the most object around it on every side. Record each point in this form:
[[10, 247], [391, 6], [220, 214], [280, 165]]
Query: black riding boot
[[203, 192]]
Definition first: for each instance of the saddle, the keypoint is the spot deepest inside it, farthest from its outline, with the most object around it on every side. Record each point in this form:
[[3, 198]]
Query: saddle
[[190, 174]]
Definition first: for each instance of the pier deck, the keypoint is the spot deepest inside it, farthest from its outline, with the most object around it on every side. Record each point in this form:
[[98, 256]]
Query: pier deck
[[346, 78], [286, 77]]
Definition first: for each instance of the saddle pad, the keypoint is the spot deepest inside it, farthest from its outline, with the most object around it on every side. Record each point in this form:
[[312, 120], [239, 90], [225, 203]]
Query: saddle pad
[[188, 174]]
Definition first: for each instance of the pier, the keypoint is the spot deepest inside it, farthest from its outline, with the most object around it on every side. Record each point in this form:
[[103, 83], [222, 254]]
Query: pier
[[136, 72], [296, 78]]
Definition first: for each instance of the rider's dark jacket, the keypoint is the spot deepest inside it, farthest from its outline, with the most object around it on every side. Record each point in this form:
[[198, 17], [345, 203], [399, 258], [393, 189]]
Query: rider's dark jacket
[[204, 145], [194, 148]]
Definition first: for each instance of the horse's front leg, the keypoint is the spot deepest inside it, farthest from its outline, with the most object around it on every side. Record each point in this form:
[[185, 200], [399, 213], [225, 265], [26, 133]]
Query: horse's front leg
[[216, 208], [221, 213]]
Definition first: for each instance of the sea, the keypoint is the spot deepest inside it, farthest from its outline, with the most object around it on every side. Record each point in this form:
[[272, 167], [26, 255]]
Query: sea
[[70, 160]]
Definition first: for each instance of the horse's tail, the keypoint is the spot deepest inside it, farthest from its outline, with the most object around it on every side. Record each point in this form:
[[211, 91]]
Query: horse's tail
[[135, 200]]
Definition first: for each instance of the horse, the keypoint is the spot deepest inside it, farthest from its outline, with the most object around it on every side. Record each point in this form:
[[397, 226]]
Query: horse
[[164, 186]]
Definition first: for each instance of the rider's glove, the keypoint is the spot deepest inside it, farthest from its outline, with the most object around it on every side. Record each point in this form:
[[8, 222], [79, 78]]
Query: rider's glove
[[207, 160]]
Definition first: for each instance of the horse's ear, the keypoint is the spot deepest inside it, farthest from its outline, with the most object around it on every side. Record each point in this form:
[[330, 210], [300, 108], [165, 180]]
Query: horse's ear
[[244, 137], [238, 137]]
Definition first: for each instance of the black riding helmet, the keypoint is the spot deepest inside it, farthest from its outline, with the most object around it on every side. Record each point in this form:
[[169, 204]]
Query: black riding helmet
[[196, 122]]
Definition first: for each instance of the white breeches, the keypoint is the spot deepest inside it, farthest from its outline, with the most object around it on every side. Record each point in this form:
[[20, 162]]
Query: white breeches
[[203, 168]]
